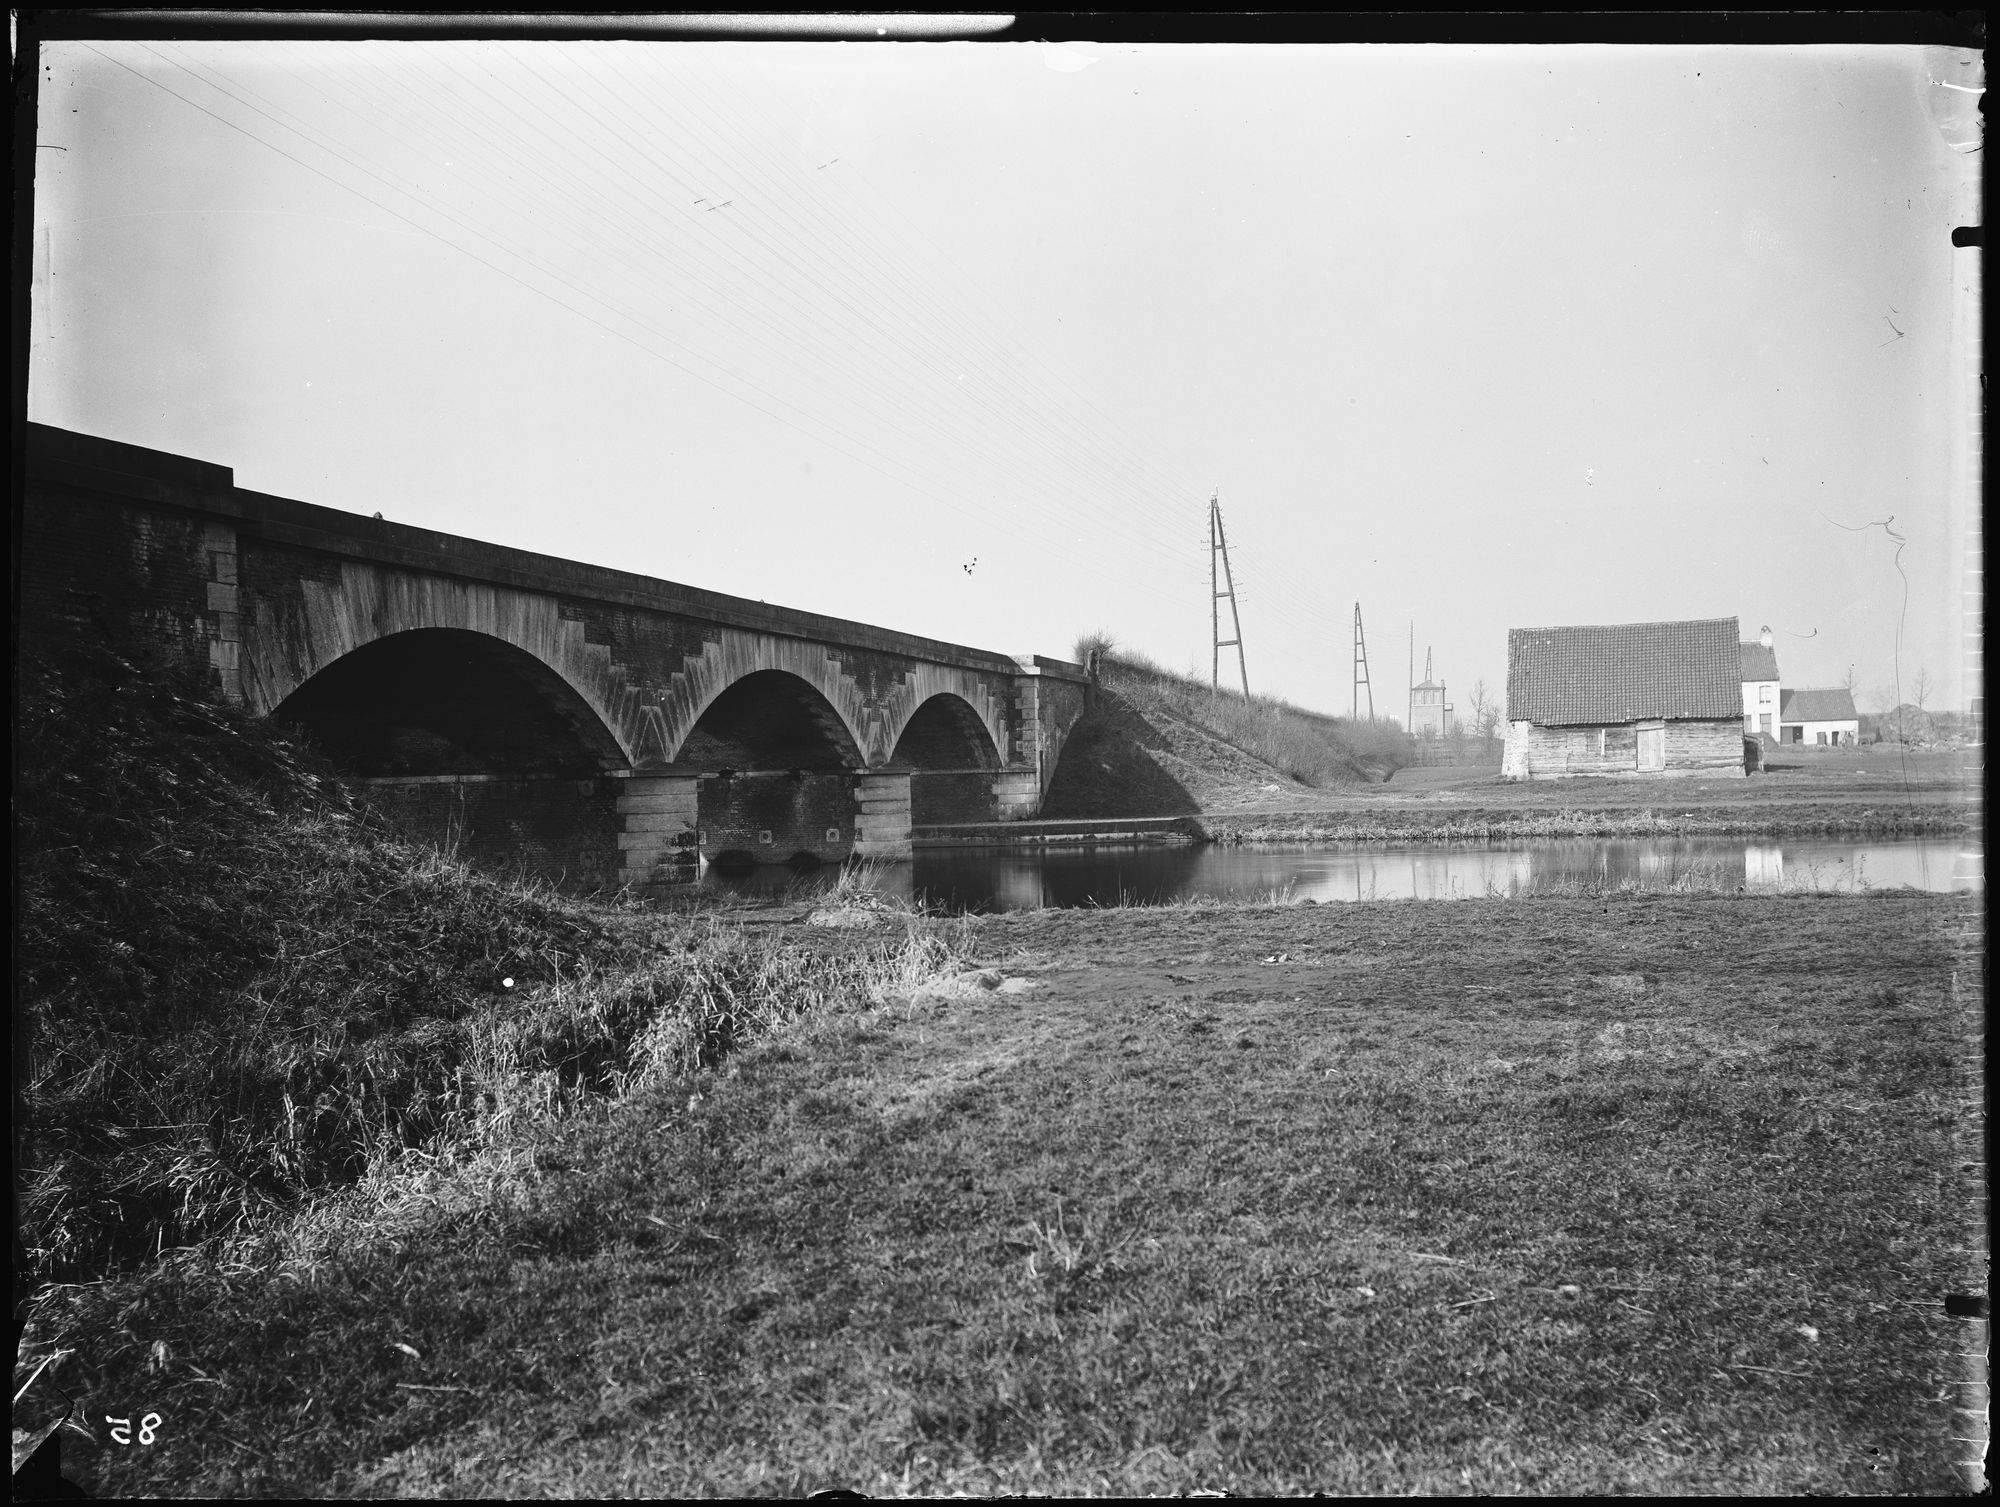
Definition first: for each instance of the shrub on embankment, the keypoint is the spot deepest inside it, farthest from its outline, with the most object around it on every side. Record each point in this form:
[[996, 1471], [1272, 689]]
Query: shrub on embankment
[[237, 988], [1310, 747]]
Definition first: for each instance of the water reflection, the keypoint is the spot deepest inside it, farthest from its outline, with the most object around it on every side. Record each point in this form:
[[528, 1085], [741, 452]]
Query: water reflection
[[1023, 878], [1763, 865]]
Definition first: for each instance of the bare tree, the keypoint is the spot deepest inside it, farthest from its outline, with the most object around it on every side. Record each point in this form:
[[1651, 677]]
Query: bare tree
[[1853, 684], [1920, 688], [1485, 709]]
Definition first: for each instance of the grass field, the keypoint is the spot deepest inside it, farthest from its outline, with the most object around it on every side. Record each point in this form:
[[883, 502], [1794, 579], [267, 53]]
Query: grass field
[[1635, 1193]]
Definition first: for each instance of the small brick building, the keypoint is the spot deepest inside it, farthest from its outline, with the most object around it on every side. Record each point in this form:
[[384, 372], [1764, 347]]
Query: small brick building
[[1624, 698]]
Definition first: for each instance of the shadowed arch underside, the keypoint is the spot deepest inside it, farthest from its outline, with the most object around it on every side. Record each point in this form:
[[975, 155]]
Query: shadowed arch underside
[[447, 701], [295, 639], [770, 720], [946, 733]]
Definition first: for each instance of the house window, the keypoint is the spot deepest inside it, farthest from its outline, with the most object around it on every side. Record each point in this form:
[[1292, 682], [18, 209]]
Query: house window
[[1763, 695]]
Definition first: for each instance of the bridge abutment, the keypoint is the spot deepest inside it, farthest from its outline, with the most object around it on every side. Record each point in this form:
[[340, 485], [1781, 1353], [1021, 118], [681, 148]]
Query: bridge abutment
[[658, 819], [882, 820], [1017, 795]]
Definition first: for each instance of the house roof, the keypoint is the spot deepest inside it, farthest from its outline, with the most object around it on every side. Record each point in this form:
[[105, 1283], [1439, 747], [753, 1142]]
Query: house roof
[[1760, 662], [1833, 703], [1625, 672]]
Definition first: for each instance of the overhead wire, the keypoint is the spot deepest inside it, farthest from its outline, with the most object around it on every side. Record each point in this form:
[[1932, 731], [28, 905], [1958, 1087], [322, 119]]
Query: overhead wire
[[1003, 406], [766, 315], [928, 355], [1295, 603], [878, 462], [893, 346], [1053, 482], [837, 229], [1138, 459], [757, 142]]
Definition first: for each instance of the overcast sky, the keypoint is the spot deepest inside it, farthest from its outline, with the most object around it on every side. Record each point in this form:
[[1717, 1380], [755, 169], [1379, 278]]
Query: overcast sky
[[960, 338]]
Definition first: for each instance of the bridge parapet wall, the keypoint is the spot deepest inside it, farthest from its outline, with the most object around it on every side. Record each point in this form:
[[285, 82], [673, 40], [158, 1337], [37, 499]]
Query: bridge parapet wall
[[115, 545]]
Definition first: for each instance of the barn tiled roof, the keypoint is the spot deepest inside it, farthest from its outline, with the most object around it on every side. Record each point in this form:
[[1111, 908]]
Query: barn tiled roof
[[1760, 662], [1833, 703], [1624, 672]]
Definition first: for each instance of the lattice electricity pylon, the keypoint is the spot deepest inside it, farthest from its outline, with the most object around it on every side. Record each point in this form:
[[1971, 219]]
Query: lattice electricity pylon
[[1361, 670], [1219, 587]]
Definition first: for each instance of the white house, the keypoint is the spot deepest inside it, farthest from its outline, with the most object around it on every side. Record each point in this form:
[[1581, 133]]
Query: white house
[[1823, 714], [1760, 687]]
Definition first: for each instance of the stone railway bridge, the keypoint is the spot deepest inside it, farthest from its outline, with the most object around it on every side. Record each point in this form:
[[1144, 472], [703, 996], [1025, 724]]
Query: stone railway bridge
[[536, 715]]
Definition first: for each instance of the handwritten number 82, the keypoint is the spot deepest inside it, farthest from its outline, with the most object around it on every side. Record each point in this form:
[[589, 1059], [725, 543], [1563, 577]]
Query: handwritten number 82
[[121, 1428]]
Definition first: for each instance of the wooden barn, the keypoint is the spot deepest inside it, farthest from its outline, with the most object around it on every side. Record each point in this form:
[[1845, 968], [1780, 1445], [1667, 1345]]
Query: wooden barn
[[1624, 698]]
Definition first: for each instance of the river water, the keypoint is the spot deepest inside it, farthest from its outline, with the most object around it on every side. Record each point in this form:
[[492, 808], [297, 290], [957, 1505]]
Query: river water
[[1017, 878]]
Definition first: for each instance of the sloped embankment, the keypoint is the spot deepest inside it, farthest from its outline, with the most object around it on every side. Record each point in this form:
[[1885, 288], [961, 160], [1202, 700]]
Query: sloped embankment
[[238, 990], [1156, 744]]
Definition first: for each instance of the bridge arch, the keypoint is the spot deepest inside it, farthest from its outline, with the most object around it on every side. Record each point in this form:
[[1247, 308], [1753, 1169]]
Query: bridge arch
[[946, 732], [770, 720], [736, 656], [449, 701], [295, 639], [924, 684]]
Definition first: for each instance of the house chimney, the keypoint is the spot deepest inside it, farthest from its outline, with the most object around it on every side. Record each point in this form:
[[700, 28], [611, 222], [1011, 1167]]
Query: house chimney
[[1764, 638]]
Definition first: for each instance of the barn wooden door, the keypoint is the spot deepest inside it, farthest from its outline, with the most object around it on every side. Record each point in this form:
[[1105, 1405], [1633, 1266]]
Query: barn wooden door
[[1652, 748]]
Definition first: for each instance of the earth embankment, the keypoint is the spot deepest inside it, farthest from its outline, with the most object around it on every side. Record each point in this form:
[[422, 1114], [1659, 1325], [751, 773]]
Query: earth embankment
[[1155, 744]]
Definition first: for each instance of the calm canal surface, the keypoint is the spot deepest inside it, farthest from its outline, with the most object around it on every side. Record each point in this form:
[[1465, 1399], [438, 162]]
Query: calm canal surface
[[984, 879]]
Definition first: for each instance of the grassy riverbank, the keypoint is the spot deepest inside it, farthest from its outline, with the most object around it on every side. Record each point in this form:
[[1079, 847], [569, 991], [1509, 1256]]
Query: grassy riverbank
[[1486, 823], [1596, 1193], [1872, 792]]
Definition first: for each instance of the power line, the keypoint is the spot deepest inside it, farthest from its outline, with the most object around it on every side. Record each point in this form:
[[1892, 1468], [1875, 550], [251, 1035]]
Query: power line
[[908, 404], [879, 463]]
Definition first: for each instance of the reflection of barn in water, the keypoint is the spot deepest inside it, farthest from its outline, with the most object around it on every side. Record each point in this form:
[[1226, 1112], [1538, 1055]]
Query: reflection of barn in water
[[1459, 874], [1763, 866]]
